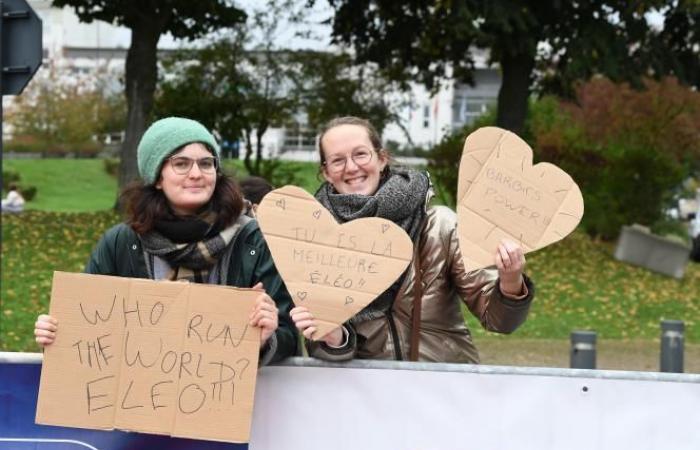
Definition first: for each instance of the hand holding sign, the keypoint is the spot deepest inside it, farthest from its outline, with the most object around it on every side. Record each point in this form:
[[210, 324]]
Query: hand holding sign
[[333, 270], [500, 194], [264, 314]]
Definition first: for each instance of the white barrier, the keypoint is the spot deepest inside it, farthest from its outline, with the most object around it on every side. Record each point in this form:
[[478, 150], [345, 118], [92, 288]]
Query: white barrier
[[308, 404], [406, 406]]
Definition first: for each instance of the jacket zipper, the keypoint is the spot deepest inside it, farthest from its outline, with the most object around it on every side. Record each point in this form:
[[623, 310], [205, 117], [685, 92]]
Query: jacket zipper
[[394, 336]]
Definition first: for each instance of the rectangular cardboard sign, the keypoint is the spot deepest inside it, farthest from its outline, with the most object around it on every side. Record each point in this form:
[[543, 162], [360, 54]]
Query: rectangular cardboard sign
[[157, 357]]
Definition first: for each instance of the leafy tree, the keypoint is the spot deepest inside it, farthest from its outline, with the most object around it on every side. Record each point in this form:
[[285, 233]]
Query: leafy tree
[[426, 40], [332, 85], [60, 114], [237, 93], [674, 49], [269, 97], [239, 85], [627, 149], [244, 84], [206, 85], [148, 20], [644, 50], [241, 94]]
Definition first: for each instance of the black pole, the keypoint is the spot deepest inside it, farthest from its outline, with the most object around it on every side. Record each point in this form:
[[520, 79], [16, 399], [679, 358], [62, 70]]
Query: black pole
[[672, 346], [583, 349]]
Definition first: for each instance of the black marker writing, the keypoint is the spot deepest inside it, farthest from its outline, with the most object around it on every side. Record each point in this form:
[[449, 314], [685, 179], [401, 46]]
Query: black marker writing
[[155, 394], [97, 313], [196, 392], [126, 395], [91, 397], [138, 354]]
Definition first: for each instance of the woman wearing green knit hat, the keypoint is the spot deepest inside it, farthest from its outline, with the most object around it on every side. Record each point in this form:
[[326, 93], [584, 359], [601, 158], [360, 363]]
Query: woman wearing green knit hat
[[185, 221]]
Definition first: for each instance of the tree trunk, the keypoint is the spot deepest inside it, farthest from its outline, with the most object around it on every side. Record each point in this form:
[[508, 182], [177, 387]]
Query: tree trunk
[[248, 139], [141, 75], [259, 148], [515, 90]]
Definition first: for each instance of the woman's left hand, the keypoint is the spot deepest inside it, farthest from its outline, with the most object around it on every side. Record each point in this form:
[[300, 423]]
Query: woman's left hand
[[264, 314], [510, 261]]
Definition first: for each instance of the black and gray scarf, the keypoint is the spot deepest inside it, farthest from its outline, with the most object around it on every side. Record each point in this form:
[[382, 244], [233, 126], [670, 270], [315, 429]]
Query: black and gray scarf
[[401, 198], [190, 245]]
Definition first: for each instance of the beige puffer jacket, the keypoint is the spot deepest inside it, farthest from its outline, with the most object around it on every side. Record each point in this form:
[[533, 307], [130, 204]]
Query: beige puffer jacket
[[444, 336]]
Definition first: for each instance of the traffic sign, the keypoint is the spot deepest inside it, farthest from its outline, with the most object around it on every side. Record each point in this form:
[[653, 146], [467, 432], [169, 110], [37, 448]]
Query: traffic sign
[[20, 45]]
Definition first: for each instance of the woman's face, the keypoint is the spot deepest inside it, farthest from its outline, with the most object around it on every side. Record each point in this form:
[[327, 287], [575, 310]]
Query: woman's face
[[188, 190], [352, 165]]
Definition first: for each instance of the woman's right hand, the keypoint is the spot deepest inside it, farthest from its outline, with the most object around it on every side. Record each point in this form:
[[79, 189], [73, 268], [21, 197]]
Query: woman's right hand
[[45, 330], [306, 324]]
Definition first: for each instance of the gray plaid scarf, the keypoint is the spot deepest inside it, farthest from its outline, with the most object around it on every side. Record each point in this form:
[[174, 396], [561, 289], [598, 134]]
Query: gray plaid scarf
[[401, 198], [191, 245]]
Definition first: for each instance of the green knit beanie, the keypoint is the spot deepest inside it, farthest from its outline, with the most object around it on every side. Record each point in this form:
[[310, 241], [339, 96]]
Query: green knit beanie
[[165, 136]]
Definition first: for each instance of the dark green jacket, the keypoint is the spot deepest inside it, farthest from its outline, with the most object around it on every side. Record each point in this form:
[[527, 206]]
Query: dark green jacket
[[119, 253]]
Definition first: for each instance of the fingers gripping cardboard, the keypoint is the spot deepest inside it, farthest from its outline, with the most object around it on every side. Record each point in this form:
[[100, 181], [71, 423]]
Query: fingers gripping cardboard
[[334, 270], [500, 194]]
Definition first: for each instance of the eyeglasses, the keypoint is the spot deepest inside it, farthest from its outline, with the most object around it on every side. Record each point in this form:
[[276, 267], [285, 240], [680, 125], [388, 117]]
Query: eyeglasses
[[182, 164], [360, 157]]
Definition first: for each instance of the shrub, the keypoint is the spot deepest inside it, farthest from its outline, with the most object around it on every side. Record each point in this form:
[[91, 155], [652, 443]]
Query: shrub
[[627, 150], [9, 177], [28, 193], [111, 166], [24, 144], [29, 144], [278, 173], [60, 115]]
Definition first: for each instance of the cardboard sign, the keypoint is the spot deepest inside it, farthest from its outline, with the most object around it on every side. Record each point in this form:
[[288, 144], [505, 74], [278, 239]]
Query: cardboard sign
[[334, 270], [157, 357], [501, 194]]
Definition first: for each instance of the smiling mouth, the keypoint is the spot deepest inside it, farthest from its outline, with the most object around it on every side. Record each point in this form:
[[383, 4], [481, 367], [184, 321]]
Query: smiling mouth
[[355, 180]]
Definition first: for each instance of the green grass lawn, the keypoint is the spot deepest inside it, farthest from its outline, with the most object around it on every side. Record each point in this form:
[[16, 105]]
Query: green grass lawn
[[579, 284], [66, 185], [82, 185]]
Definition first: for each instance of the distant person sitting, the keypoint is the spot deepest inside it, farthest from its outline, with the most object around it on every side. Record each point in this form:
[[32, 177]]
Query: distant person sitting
[[14, 202], [254, 189]]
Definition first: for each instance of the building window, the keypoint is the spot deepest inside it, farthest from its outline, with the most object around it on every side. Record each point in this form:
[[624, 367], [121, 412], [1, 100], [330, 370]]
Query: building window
[[298, 137], [468, 109], [426, 116]]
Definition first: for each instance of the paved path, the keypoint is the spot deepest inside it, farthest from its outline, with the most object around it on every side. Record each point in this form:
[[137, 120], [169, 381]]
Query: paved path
[[611, 354]]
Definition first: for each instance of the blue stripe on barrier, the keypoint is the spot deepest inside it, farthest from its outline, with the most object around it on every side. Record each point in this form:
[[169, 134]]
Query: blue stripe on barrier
[[19, 388]]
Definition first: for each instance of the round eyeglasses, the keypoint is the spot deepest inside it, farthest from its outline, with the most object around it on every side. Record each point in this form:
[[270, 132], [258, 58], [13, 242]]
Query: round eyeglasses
[[360, 157], [182, 164]]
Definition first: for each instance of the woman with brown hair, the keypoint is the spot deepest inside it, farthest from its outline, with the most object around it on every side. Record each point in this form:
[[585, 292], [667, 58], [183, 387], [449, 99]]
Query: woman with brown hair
[[419, 317], [185, 221]]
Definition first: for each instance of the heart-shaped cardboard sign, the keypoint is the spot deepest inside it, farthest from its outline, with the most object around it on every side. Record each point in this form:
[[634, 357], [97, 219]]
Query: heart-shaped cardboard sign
[[334, 270], [500, 194]]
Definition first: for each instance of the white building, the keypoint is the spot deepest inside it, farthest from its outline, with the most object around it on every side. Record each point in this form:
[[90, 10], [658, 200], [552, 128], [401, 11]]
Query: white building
[[427, 118]]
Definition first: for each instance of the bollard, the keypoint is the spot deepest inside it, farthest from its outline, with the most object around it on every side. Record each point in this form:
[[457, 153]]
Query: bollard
[[672, 346], [583, 349]]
